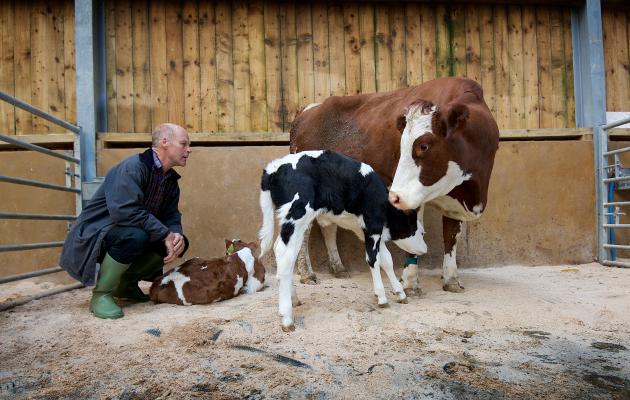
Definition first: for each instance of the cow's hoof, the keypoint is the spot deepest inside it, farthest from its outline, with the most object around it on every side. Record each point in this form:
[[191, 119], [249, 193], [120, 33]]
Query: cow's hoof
[[289, 328], [411, 292], [309, 280], [403, 301], [384, 305], [342, 274], [453, 287]]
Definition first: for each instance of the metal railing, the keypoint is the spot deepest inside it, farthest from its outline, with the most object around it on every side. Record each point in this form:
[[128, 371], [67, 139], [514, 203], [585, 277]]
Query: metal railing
[[609, 211], [72, 184]]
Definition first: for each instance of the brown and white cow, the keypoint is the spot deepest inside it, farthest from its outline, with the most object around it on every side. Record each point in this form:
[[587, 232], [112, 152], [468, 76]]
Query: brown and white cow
[[202, 281], [451, 140]]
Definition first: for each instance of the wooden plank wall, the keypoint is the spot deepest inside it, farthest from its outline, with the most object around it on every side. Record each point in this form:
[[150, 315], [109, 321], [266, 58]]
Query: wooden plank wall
[[37, 63], [616, 30], [250, 66]]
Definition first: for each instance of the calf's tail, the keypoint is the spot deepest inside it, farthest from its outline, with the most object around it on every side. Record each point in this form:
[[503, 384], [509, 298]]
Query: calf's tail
[[266, 206]]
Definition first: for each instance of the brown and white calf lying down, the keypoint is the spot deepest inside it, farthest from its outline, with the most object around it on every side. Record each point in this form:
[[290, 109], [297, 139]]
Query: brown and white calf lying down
[[202, 281]]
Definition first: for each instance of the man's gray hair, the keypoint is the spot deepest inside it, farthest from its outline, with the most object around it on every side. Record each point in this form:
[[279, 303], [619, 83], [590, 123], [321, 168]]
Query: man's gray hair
[[164, 130]]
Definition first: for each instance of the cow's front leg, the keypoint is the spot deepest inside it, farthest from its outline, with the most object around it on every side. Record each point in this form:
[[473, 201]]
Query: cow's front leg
[[451, 229], [409, 277], [304, 267], [329, 232]]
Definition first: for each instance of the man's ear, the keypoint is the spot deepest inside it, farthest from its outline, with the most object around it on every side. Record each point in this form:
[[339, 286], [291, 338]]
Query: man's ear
[[456, 118]]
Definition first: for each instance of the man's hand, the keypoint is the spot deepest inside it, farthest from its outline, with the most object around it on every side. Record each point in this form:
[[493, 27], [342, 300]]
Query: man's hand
[[174, 243]]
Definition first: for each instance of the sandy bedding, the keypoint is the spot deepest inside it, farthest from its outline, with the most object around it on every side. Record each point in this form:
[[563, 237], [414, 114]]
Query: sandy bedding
[[553, 332]]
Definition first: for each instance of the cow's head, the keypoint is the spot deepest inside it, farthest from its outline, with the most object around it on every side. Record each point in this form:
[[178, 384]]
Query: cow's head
[[427, 167]]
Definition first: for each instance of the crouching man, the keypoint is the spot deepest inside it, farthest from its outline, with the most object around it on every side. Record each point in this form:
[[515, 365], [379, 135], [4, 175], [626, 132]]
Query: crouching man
[[132, 225]]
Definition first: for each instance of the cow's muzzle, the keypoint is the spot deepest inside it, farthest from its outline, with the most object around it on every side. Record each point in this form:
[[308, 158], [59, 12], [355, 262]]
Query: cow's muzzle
[[394, 200]]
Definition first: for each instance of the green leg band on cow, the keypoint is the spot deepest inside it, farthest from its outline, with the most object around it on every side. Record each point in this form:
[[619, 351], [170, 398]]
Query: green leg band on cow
[[143, 268], [411, 260], [102, 303]]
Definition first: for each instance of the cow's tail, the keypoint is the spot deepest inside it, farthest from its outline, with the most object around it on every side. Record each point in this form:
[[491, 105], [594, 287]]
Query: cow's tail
[[266, 206]]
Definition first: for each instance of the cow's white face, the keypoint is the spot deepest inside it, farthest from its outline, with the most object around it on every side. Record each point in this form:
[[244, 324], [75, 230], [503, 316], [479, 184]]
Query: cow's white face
[[426, 169]]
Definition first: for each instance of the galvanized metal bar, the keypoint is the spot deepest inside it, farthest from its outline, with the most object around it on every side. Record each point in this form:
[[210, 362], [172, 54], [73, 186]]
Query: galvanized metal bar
[[89, 22], [30, 246], [600, 143], [52, 217], [617, 179], [588, 64], [617, 246], [20, 143], [618, 151], [26, 275], [29, 182], [616, 263], [19, 302], [617, 203], [40, 113], [78, 178], [620, 226], [617, 123]]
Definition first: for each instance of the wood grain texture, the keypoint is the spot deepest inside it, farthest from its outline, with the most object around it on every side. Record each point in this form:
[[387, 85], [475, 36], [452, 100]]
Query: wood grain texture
[[191, 67], [208, 68]]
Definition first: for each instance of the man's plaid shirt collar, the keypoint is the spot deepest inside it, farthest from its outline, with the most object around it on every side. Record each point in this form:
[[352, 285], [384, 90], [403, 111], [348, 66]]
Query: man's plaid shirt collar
[[157, 165]]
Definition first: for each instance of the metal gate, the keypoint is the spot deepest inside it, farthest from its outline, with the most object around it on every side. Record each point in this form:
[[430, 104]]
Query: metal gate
[[72, 184], [611, 177]]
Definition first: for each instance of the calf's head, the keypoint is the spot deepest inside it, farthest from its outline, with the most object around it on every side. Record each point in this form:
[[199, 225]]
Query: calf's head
[[406, 230], [245, 251], [428, 166], [234, 245]]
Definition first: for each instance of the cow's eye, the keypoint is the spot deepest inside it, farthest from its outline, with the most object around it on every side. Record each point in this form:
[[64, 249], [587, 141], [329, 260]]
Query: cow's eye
[[424, 146]]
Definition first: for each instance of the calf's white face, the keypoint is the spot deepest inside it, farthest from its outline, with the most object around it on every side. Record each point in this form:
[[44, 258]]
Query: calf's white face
[[425, 169]]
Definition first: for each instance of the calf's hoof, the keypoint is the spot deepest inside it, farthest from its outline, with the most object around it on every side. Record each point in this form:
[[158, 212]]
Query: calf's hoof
[[453, 287], [309, 279], [403, 301], [384, 305], [289, 328]]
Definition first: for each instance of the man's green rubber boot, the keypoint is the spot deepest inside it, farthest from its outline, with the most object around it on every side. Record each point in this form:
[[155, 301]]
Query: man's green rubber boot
[[102, 304], [143, 268]]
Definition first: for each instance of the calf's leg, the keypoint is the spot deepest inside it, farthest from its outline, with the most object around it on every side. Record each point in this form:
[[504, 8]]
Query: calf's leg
[[387, 264], [286, 251], [451, 230], [372, 256]]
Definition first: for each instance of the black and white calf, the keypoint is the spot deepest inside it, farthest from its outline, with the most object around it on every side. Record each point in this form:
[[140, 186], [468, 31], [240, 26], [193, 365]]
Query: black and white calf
[[332, 188]]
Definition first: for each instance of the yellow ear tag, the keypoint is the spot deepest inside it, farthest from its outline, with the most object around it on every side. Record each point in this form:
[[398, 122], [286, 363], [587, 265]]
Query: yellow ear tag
[[231, 249]]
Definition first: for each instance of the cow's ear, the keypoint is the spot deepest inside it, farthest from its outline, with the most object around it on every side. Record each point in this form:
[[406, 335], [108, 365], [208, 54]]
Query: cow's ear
[[438, 125], [401, 122], [456, 118]]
